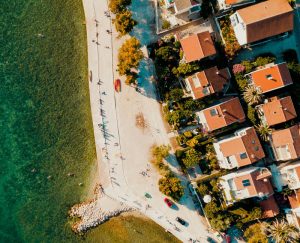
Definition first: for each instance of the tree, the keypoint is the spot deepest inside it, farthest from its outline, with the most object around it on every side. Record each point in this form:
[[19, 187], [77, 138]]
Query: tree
[[192, 157], [264, 131], [165, 24], [221, 222], [171, 186], [176, 94], [160, 152], [203, 190], [248, 66], [255, 234], [129, 55], [282, 232], [166, 54], [193, 105], [124, 22], [185, 68], [262, 61], [117, 6], [252, 95], [131, 78], [211, 209], [177, 117], [192, 142]]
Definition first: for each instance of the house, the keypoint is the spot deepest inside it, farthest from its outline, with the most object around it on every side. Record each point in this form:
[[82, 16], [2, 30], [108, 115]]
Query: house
[[187, 9], [263, 20], [221, 115], [294, 200], [269, 207], [270, 77], [207, 82], [226, 4], [240, 149], [285, 143], [251, 182], [276, 110], [290, 175], [197, 46]]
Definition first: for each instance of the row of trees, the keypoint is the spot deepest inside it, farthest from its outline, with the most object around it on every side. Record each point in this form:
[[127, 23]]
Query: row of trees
[[169, 184], [124, 22]]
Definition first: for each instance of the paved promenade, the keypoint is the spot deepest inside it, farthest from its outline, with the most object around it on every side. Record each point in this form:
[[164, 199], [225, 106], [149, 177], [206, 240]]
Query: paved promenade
[[123, 149]]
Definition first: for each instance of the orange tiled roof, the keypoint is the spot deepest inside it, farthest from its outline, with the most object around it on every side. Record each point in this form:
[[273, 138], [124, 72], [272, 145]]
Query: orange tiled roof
[[198, 46], [290, 137], [256, 185], [278, 110], [266, 19], [228, 112], [269, 207], [248, 143], [211, 78], [294, 199], [271, 77]]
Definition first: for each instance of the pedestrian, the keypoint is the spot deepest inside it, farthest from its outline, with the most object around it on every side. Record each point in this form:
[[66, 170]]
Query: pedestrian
[[103, 93]]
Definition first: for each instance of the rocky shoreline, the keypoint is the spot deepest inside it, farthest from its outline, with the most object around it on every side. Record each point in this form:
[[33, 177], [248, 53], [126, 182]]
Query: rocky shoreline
[[96, 211]]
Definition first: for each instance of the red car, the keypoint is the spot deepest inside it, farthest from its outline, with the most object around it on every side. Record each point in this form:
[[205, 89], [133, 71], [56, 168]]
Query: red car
[[168, 202], [117, 84]]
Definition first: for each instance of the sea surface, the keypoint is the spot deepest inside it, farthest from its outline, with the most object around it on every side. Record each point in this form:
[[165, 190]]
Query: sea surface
[[46, 129], [45, 121]]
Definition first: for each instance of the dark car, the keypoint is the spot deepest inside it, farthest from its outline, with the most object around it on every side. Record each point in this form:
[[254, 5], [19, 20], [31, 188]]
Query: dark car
[[181, 221]]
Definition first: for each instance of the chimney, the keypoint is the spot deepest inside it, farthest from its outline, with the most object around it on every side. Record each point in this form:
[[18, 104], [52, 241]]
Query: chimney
[[224, 110], [206, 39], [218, 72], [285, 109]]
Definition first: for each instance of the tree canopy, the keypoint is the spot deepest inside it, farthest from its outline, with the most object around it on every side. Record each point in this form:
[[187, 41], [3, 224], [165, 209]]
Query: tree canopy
[[129, 55], [117, 6], [192, 157], [124, 22], [171, 186], [255, 234]]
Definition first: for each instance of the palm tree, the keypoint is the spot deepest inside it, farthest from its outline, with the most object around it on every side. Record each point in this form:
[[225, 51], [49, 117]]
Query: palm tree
[[282, 232], [264, 131], [252, 95]]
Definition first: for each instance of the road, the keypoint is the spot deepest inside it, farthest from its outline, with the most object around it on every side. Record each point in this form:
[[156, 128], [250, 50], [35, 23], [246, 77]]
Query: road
[[122, 148]]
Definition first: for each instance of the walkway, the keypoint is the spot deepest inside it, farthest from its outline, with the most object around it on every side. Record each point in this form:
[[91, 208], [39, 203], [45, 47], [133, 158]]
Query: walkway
[[121, 149]]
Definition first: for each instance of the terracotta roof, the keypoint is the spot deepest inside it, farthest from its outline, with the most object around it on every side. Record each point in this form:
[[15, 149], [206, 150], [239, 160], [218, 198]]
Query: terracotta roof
[[278, 110], [248, 143], [271, 77], [288, 137], [269, 207], [266, 19], [256, 186], [211, 78], [224, 114], [198, 46], [294, 199]]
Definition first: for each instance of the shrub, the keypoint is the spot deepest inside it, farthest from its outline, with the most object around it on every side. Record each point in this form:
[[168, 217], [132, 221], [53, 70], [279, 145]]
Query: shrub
[[192, 142], [261, 61], [241, 82], [238, 68], [206, 9], [166, 54], [171, 186], [185, 68], [248, 66], [188, 134], [131, 78], [176, 94], [211, 209], [251, 114], [221, 222], [255, 234], [165, 24], [192, 105], [203, 189]]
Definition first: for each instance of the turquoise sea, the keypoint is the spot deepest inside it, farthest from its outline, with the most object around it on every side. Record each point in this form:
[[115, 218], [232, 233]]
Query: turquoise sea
[[45, 121]]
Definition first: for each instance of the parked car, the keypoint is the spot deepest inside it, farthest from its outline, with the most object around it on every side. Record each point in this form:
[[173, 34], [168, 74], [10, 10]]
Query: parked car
[[181, 221], [117, 85], [168, 202]]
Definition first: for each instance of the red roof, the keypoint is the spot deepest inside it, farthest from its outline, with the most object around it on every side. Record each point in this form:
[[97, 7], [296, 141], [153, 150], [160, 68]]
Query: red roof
[[278, 110], [271, 77], [269, 207], [198, 46], [224, 114], [208, 81]]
